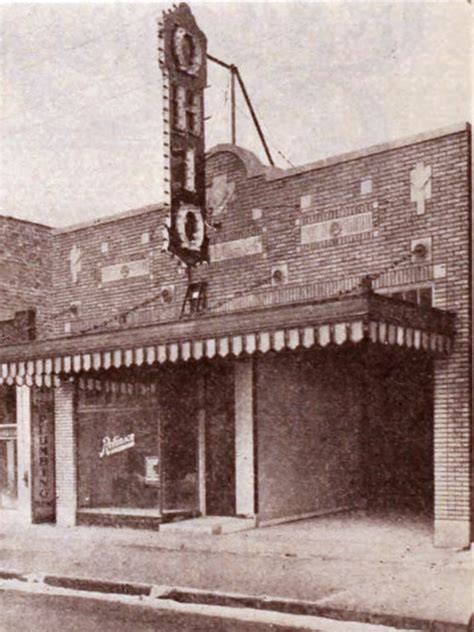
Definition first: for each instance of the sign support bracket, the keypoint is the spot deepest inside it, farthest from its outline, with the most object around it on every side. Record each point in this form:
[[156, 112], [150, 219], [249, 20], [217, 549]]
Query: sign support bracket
[[235, 74]]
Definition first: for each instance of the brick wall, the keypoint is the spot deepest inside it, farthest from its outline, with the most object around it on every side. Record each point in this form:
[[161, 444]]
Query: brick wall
[[335, 192], [124, 243], [318, 269], [25, 271], [109, 267]]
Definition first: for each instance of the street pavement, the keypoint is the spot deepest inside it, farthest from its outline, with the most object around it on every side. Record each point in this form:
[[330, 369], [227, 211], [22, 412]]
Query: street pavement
[[57, 613], [380, 572], [33, 610]]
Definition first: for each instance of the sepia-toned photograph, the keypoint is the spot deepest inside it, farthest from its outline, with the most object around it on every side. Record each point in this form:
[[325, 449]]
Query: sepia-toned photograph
[[236, 262]]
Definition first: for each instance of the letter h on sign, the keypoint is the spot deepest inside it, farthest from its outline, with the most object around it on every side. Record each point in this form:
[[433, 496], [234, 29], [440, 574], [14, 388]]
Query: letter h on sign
[[187, 111]]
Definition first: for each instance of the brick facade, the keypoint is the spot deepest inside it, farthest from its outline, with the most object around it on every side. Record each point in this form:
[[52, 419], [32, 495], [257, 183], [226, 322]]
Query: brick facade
[[136, 238], [323, 227], [25, 287], [25, 277], [268, 206]]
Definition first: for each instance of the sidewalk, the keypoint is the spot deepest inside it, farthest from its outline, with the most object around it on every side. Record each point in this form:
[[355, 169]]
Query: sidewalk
[[351, 565]]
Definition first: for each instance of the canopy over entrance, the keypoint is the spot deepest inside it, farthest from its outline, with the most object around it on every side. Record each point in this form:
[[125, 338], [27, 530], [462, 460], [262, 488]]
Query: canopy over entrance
[[365, 316]]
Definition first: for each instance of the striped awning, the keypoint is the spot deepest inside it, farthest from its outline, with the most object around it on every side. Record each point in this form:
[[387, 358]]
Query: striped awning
[[371, 317]]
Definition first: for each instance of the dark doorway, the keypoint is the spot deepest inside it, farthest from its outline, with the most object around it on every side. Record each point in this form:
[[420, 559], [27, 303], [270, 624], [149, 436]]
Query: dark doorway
[[220, 442], [398, 438], [179, 435]]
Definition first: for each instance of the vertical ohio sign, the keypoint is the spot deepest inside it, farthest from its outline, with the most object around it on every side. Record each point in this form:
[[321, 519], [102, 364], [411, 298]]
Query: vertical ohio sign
[[182, 55]]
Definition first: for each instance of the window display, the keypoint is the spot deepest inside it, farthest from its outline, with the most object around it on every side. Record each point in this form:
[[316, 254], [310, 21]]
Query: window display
[[118, 451], [139, 453]]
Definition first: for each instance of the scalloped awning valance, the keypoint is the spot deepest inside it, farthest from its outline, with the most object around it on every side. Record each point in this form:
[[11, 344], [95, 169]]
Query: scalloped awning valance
[[347, 320]]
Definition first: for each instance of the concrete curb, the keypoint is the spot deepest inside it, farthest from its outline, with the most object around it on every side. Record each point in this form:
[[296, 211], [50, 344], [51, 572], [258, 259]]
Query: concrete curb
[[235, 600]]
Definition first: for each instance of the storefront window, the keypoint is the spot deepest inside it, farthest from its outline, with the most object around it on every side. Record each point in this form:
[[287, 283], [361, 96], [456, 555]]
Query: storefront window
[[421, 295], [139, 451], [118, 451], [7, 405]]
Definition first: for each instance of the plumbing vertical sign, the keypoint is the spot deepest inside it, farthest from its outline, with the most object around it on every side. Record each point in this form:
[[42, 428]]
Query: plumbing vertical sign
[[42, 457], [183, 62]]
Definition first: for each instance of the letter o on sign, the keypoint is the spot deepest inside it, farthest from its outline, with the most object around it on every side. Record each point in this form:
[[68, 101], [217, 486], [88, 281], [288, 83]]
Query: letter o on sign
[[188, 51], [190, 227]]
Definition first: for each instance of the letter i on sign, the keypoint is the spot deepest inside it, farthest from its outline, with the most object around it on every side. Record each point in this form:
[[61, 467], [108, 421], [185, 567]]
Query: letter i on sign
[[190, 170]]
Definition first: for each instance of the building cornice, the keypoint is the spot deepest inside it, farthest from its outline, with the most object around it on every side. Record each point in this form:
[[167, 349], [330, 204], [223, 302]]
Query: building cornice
[[369, 151], [109, 218], [10, 218]]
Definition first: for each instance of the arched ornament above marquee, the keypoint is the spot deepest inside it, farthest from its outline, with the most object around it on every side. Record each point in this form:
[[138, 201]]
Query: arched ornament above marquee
[[221, 189], [253, 166]]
